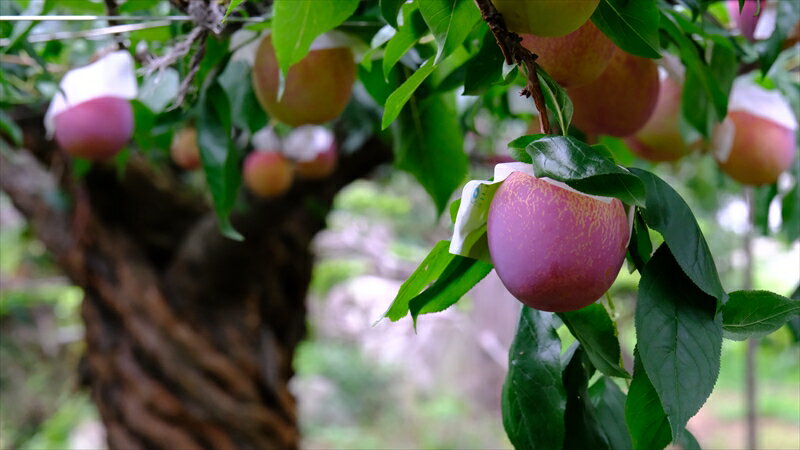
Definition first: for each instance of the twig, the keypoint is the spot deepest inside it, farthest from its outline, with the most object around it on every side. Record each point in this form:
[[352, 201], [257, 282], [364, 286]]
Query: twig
[[510, 44], [194, 67]]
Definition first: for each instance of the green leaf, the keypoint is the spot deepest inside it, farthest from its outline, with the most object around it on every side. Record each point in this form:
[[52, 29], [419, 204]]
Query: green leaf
[[687, 441], [220, 158], [296, 23], [486, 67], [371, 77], [429, 145], [556, 100], [246, 112], [159, 89], [679, 337], [640, 247], [407, 35], [705, 94], [631, 25], [593, 328], [460, 275], [389, 10], [752, 314], [9, 129], [451, 21], [518, 147], [647, 423], [667, 213], [401, 95], [566, 159], [790, 212], [231, 6], [533, 397], [762, 200], [582, 428], [609, 403], [429, 270]]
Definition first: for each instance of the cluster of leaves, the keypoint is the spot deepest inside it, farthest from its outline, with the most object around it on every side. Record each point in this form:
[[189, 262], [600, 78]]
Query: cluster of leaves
[[418, 57], [682, 312]]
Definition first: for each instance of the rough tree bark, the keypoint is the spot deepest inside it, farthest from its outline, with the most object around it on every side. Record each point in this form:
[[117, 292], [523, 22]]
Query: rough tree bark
[[189, 335]]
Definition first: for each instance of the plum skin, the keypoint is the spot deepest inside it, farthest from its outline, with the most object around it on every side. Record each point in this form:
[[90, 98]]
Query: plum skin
[[575, 59], [545, 17], [319, 167], [555, 250], [762, 149], [308, 97], [267, 174], [96, 129], [621, 100], [660, 140]]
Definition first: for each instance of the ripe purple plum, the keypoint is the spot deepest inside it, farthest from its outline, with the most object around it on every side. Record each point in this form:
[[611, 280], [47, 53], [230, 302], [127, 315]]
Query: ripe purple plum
[[575, 59], [762, 149], [313, 149], [96, 129], [545, 17], [317, 88], [660, 139], [267, 174], [555, 249], [620, 101]]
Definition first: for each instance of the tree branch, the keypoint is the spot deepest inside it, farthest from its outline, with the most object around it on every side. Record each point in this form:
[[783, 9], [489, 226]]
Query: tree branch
[[514, 52], [34, 192]]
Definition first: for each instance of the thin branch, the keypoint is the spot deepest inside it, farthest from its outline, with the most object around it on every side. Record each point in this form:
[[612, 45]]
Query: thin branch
[[510, 44], [194, 67]]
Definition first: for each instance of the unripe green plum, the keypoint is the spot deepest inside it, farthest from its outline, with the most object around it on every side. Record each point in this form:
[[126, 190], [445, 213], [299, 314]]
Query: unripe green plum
[[575, 59], [184, 149], [660, 139], [620, 101], [555, 249], [313, 150], [267, 174], [96, 129], [317, 88], [762, 149], [748, 19], [545, 17]]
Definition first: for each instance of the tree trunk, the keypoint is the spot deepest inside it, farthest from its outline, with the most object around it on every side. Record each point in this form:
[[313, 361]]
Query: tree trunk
[[189, 335]]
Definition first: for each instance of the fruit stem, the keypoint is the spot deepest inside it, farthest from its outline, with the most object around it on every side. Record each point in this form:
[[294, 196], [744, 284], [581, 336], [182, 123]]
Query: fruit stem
[[514, 52]]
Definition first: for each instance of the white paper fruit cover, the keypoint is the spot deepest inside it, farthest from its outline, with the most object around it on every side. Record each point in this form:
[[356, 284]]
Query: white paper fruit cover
[[247, 43], [110, 76], [266, 140], [306, 142], [749, 97]]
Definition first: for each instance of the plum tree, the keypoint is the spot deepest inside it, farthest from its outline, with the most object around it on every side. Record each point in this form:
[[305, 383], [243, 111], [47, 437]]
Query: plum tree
[[747, 19], [267, 174], [95, 129], [184, 149], [545, 17], [313, 149], [620, 101], [308, 98], [574, 59], [554, 249], [660, 138]]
